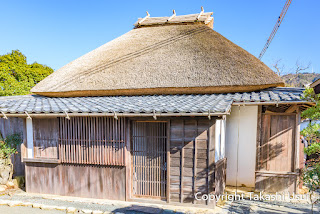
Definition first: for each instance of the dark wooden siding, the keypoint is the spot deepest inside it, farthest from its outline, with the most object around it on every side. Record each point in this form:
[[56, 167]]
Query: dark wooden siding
[[102, 140], [76, 180], [45, 137], [192, 158], [220, 176], [14, 125], [317, 89], [190, 167]]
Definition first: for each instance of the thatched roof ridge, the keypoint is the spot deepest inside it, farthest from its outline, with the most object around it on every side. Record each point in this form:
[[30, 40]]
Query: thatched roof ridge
[[203, 18], [161, 59]]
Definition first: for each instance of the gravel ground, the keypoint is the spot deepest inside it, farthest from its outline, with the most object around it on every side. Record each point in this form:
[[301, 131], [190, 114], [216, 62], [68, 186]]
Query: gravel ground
[[27, 210], [116, 207], [243, 206], [78, 205], [248, 206]]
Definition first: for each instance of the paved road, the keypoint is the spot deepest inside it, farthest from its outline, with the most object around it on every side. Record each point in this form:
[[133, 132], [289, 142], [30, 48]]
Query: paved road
[[26, 210]]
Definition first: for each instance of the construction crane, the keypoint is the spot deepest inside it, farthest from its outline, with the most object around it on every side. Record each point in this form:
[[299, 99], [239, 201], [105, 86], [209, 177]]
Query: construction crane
[[276, 27]]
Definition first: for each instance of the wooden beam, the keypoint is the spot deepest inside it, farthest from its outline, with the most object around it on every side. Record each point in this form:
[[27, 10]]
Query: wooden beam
[[292, 109], [200, 14], [41, 160], [172, 16], [147, 16]]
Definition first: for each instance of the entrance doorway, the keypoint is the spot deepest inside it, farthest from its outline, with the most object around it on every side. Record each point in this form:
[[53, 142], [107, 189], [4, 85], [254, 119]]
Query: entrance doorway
[[149, 158]]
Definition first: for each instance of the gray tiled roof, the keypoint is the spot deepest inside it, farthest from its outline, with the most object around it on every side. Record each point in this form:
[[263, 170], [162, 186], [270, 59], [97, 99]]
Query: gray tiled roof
[[213, 103]]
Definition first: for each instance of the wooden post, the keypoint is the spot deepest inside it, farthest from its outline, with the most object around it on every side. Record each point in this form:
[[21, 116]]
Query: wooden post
[[258, 138], [24, 152], [298, 162], [128, 161], [195, 164], [182, 163], [168, 162], [211, 156], [194, 169]]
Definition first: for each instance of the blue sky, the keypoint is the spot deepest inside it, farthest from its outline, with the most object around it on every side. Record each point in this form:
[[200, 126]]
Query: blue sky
[[55, 32]]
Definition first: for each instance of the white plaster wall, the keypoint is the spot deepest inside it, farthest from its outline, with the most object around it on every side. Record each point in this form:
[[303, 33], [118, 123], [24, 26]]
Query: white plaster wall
[[217, 148], [220, 138], [241, 127], [29, 138], [223, 139]]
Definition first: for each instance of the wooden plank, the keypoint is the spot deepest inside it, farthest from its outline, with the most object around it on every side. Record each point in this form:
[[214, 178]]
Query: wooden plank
[[292, 109], [276, 182], [128, 162], [41, 160], [79, 180], [46, 135], [168, 164], [277, 152], [194, 169], [277, 114], [211, 158], [258, 142], [195, 157], [182, 163]]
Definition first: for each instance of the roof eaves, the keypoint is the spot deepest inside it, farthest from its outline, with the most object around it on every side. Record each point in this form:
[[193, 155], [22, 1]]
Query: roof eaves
[[315, 83]]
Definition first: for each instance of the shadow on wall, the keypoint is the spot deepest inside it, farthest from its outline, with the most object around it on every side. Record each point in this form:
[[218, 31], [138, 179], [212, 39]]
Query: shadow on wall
[[276, 154]]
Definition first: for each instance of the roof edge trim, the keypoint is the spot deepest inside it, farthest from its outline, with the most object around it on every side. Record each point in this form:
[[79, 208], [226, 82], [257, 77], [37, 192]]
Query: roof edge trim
[[206, 114], [158, 91]]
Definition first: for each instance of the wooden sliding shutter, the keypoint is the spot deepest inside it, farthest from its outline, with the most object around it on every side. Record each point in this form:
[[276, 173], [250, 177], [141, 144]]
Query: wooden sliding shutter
[[149, 153], [276, 150], [45, 138], [92, 140]]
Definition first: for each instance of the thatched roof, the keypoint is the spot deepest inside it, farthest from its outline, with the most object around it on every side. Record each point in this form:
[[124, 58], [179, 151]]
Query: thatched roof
[[183, 58]]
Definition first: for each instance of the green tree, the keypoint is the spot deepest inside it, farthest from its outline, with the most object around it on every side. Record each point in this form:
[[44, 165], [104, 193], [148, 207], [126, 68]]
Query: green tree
[[310, 175], [17, 77]]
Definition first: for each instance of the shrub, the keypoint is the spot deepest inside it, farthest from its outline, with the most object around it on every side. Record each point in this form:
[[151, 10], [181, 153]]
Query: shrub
[[8, 146]]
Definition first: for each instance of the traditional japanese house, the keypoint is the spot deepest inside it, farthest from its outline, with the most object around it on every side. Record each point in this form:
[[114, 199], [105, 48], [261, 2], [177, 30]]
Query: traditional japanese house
[[165, 111]]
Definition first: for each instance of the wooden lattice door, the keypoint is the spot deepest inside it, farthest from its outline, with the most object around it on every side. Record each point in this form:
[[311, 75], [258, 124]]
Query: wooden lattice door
[[149, 159]]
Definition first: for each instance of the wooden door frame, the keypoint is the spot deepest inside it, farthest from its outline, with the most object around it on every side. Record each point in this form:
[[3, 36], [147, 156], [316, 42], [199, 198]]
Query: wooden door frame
[[296, 136], [295, 145], [129, 195]]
